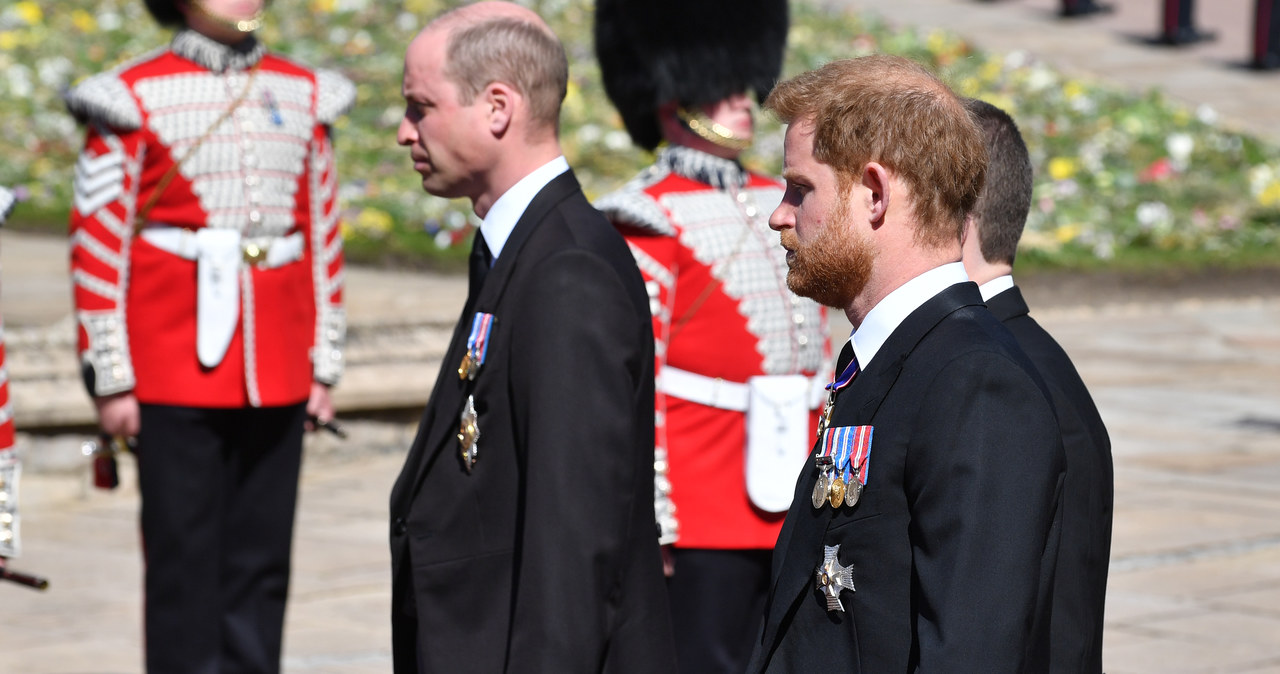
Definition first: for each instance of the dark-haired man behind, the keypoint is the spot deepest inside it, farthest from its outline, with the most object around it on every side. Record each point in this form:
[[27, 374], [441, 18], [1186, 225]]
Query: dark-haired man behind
[[522, 524], [991, 243]]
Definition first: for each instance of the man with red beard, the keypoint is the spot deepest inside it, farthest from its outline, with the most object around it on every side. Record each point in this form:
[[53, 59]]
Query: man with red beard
[[925, 526]]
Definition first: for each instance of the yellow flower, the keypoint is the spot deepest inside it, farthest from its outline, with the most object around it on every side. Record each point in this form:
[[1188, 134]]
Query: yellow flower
[[1072, 90], [323, 6], [83, 21], [8, 40], [1067, 233], [991, 70], [1270, 195], [1062, 168], [374, 220], [970, 86], [29, 12]]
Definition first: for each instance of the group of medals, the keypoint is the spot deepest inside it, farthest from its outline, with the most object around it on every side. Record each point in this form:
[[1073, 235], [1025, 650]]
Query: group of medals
[[477, 350], [842, 466], [842, 458]]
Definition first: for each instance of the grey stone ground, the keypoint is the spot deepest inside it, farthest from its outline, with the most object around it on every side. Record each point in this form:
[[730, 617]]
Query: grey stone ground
[[1186, 374]]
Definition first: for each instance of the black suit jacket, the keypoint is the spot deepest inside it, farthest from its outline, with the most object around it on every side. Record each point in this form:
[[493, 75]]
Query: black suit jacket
[[955, 536], [544, 558], [1080, 589]]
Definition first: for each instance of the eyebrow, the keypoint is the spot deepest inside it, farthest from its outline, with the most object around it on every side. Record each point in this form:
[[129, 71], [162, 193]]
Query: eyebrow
[[792, 175]]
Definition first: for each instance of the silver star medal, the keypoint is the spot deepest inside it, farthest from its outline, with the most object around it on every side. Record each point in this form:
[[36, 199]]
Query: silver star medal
[[833, 578], [469, 434]]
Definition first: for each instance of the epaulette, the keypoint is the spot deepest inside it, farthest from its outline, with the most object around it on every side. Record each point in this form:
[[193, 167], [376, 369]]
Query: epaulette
[[335, 96], [105, 98], [633, 207]]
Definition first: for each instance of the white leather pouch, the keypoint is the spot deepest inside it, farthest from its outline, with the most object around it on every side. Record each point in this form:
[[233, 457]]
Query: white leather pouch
[[777, 438], [217, 292]]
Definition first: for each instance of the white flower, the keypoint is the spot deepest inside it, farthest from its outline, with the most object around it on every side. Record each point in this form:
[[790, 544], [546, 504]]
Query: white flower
[[589, 133], [407, 22], [20, 85], [1179, 146], [339, 35], [54, 72], [109, 20], [443, 239], [617, 140], [1152, 214], [1206, 114]]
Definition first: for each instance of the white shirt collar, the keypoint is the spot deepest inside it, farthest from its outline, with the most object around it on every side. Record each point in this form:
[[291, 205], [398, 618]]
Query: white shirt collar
[[506, 211], [995, 286], [888, 314]]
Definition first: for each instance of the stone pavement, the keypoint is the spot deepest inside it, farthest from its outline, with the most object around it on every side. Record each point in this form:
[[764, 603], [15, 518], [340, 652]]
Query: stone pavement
[[1188, 382]]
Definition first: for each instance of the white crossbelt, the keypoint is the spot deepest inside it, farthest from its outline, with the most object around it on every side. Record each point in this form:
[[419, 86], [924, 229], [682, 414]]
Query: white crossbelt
[[264, 252], [722, 393]]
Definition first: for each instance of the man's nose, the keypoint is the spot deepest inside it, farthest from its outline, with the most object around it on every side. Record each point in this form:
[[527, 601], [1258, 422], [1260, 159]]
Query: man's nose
[[406, 134]]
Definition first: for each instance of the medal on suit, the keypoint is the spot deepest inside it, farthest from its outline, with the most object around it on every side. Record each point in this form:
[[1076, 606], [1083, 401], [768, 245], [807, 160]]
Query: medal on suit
[[836, 496], [823, 484], [477, 346], [469, 434], [854, 490], [832, 578]]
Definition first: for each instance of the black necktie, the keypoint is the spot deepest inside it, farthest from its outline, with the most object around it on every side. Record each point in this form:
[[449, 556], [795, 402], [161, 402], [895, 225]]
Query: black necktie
[[846, 356], [479, 264]]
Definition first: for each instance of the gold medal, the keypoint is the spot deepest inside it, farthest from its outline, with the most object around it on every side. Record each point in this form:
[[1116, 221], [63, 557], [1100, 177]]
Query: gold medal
[[464, 369], [825, 420], [836, 494]]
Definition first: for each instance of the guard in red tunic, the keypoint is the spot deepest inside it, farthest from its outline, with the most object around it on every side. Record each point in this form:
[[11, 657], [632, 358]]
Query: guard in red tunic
[[207, 272], [9, 466], [741, 361]]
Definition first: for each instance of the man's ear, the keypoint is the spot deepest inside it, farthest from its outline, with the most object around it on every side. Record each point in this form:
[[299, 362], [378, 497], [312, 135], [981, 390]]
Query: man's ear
[[502, 100], [875, 178]]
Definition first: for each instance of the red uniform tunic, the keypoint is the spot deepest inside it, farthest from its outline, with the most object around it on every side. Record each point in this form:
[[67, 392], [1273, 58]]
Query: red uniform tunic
[[264, 170], [716, 274]]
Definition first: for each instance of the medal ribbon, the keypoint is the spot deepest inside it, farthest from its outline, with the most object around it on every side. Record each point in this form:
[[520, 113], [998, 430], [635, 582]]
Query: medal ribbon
[[861, 452], [850, 371], [478, 341], [844, 449]]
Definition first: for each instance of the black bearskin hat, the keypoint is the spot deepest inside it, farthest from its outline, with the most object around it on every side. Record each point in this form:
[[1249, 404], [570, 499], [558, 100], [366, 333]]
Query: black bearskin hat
[[689, 51], [166, 12]]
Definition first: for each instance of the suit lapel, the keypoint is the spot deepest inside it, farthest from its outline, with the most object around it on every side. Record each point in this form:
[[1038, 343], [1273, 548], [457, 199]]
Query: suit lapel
[[800, 543], [450, 393]]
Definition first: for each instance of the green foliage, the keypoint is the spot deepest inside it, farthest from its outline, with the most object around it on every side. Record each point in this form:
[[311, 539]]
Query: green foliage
[[1118, 177]]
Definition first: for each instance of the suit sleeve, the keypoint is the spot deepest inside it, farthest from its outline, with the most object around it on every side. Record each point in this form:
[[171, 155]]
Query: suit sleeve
[[101, 230], [983, 481], [324, 237], [656, 258], [574, 382]]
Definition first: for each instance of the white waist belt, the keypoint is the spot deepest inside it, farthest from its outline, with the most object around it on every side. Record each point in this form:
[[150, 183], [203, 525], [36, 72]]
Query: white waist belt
[[221, 257], [721, 393], [264, 252]]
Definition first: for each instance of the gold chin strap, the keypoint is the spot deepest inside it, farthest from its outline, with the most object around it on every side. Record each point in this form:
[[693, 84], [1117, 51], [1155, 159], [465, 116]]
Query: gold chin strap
[[242, 25], [710, 131]]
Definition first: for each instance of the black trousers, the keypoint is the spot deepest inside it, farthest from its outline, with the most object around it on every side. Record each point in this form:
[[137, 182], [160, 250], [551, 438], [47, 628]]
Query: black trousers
[[219, 488], [717, 607]]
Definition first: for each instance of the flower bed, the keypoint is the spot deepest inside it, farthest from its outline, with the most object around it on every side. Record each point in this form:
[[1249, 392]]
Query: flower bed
[[1116, 174]]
